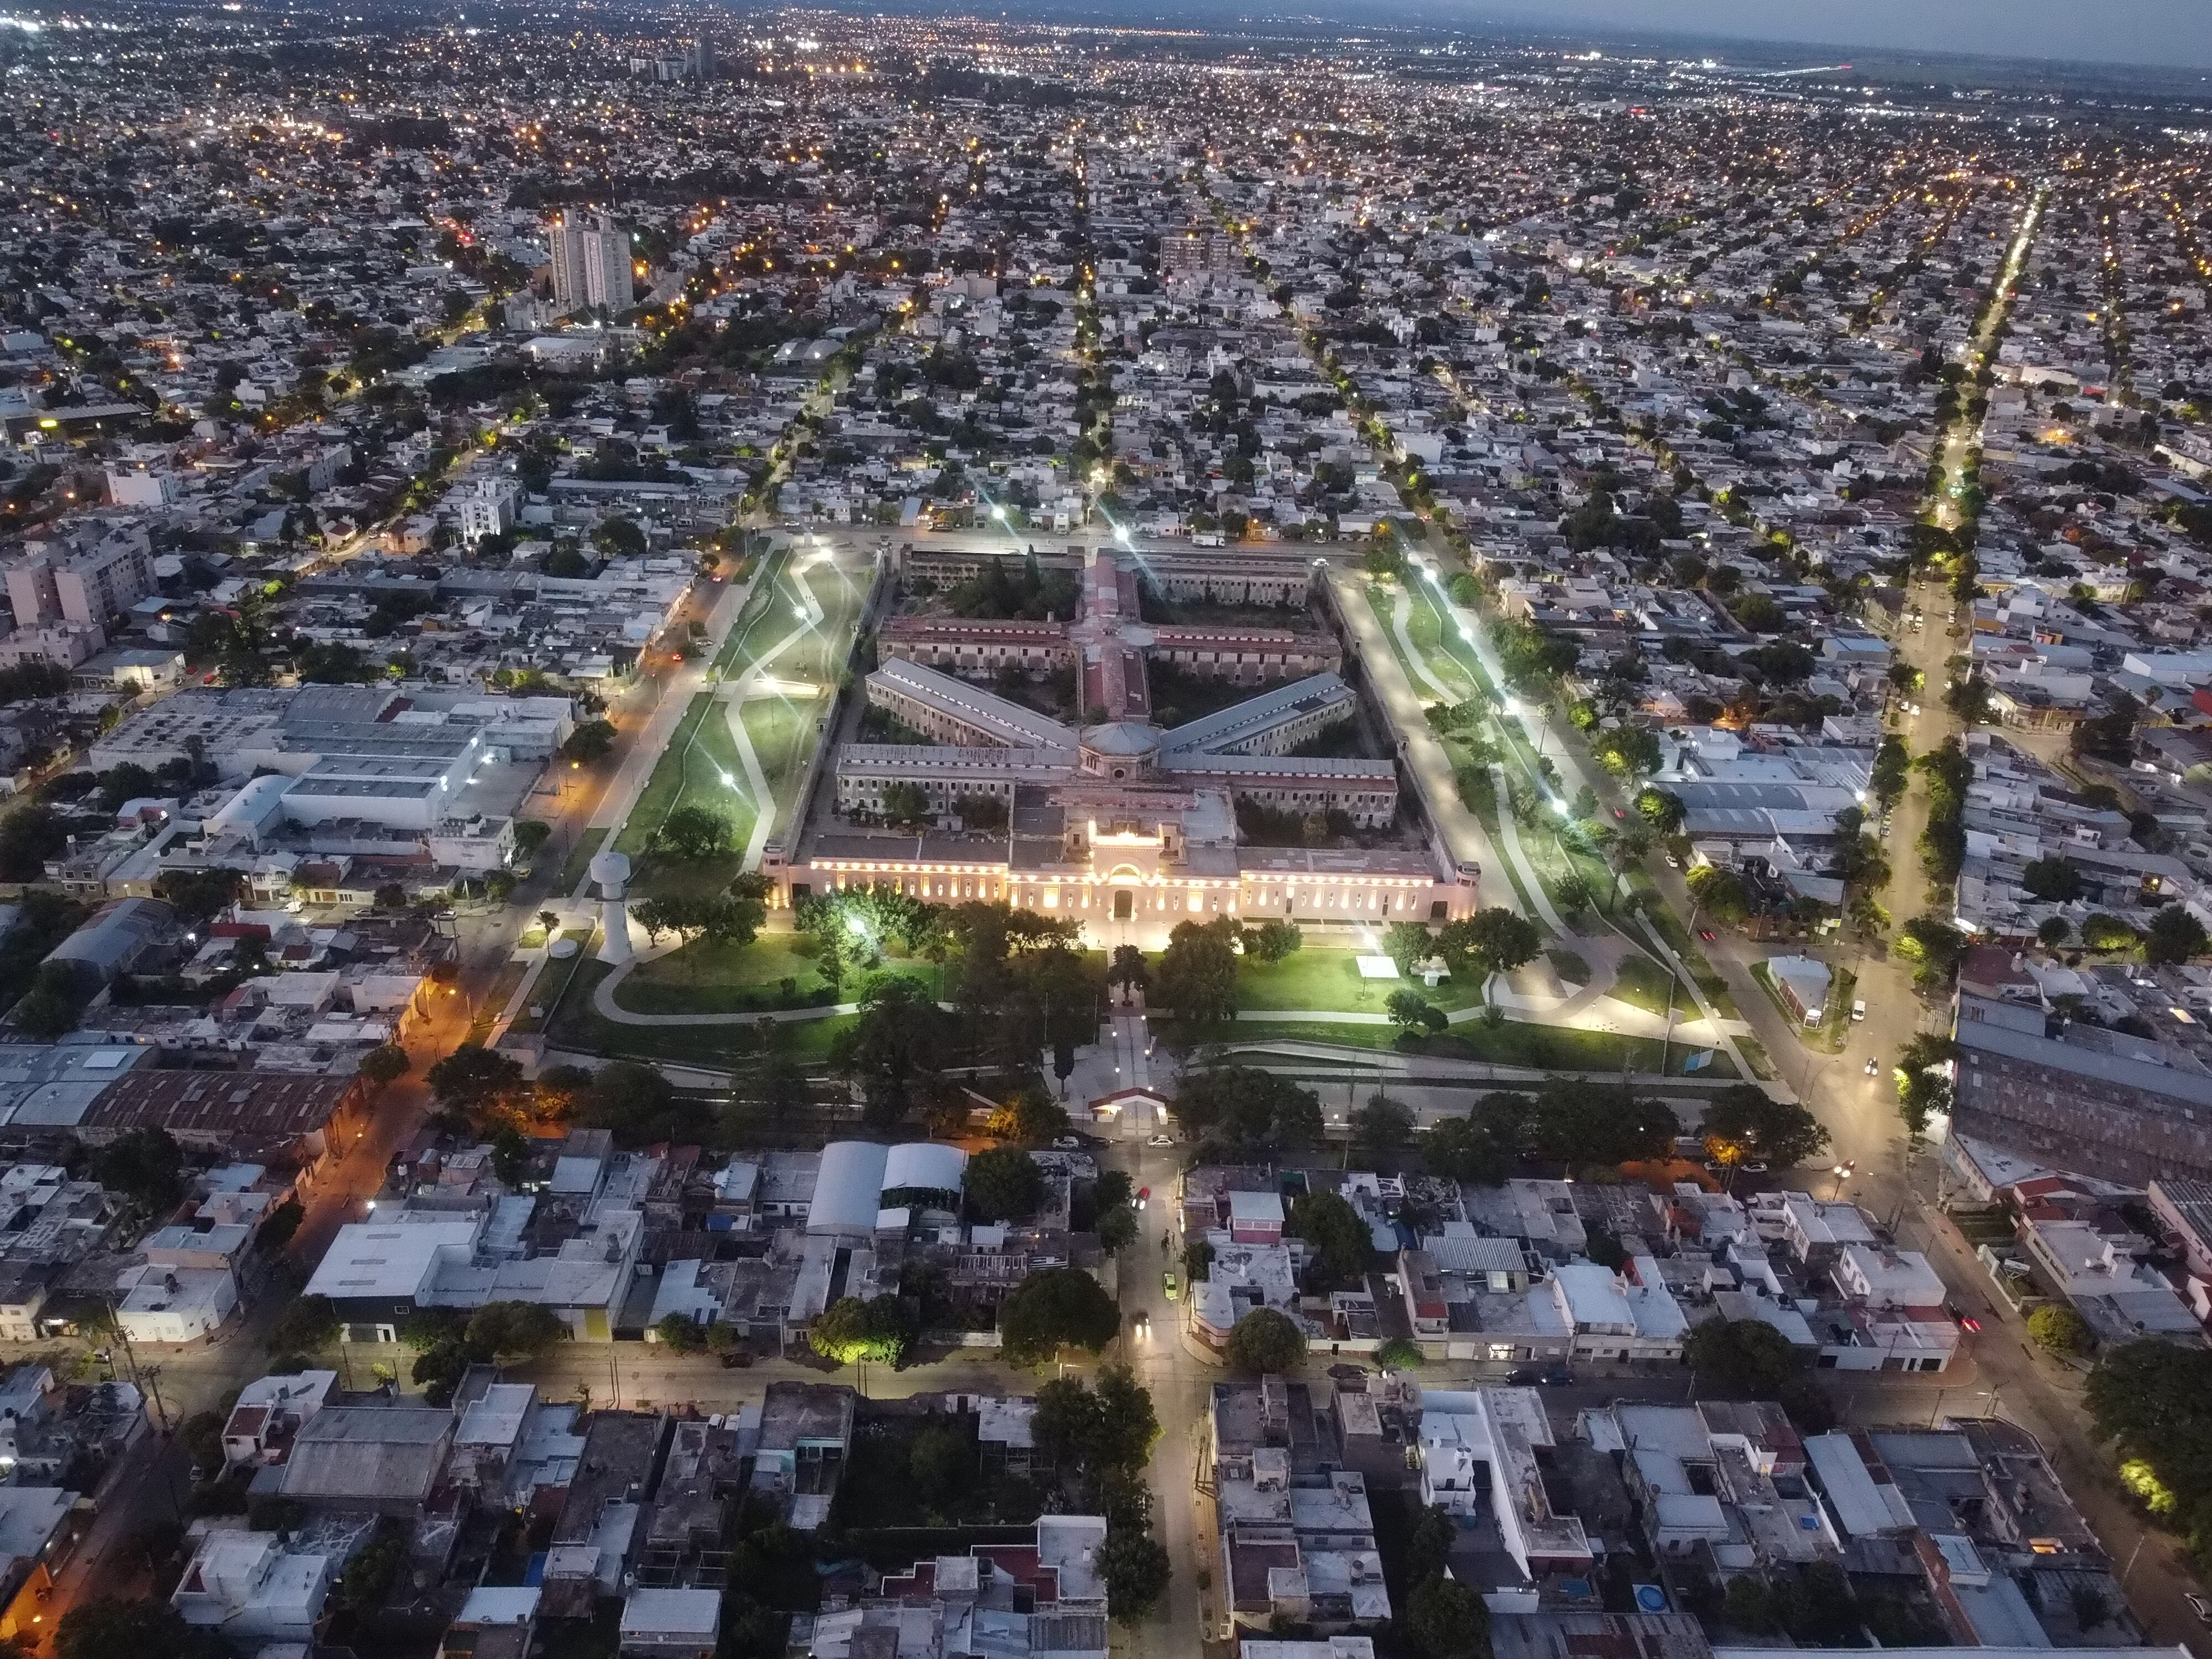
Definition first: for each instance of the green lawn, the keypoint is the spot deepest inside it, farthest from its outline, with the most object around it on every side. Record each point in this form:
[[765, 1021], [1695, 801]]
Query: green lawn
[[1426, 630], [667, 786], [577, 1025], [659, 877], [702, 752], [1643, 983], [1328, 979], [550, 990], [1428, 621], [580, 859], [753, 620], [784, 735], [712, 979]]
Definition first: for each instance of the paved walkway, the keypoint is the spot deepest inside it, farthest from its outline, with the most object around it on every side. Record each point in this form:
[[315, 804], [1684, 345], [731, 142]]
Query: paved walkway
[[1402, 611], [603, 1001], [1462, 833], [1508, 837], [645, 751]]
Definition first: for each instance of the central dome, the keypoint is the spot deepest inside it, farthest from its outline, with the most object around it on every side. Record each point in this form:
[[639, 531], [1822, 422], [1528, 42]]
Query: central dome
[[1120, 749], [1121, 738]]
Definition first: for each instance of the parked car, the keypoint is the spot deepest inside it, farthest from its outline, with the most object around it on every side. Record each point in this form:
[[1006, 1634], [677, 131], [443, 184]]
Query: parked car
[[1858, 1010], [1067, 1143], [1161, 1140], [1525, 1377], [737, 1359], [1169, 1288], [2198, 1605]]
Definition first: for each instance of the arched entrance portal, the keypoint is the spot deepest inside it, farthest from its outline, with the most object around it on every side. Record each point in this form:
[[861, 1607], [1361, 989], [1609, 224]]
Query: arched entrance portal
[[1123, 878]]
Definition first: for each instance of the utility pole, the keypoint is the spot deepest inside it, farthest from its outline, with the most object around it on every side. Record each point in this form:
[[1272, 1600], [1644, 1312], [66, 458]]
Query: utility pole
[[161, 1411]]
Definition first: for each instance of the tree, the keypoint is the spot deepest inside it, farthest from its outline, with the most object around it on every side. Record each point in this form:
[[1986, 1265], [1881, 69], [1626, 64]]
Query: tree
[[1382, 1126], [1055, 1308], [1399, 1353], [474, 1078], [1407, 943], [306, 1325], [105, 1628], [1751, 1124], [1339, 1239], [384, 1064], [1720, 893], [1135, 1568], [589, 742], [694, 832], [1498, 941], [1032, 1116], [896, 1052], [1127, 968], [1410, 1011], [2055, 880], [1265, 1340], [1447, 1620], [638, 1106], [514, 1330], [198, 895], [1892, 763], [1004, 1184], [2152, 1402], [2109, 933], [144, 1165], [1661, 809], [2059, 1330], [1923, 1084], [1749, 1605], [1197, 974], [439, 1371], [1105, 1433], [1738, 1358], [617, 537], [1627, 751], [2174, 936], [1273, 940], [200, 1436], [1459, 1149], [278, 1228], [680, 1333], [850, 1330], [1244, 1107]]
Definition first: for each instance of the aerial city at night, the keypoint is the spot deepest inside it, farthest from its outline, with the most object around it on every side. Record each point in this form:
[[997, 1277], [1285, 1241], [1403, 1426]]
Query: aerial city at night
[[848, 837]]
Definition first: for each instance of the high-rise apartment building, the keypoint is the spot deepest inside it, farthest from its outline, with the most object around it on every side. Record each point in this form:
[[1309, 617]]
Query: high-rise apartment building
[[591, 266], [82, 576]]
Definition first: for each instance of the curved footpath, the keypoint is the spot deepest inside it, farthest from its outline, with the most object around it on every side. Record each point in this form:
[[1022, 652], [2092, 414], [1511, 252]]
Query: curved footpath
[[1582, 1009]]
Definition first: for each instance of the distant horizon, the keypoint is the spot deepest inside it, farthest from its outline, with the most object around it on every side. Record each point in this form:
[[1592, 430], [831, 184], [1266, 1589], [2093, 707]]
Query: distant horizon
[[2166, 35], [2168, 38]]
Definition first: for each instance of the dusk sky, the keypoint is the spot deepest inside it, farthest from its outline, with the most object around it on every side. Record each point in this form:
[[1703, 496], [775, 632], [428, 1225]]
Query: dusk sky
[[2168, 32]]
